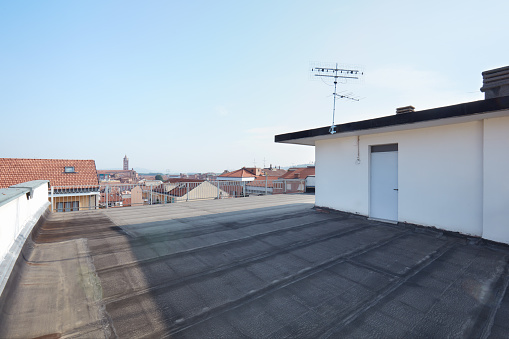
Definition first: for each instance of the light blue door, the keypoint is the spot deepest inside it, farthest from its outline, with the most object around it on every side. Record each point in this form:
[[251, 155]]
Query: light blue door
[[384, 182]]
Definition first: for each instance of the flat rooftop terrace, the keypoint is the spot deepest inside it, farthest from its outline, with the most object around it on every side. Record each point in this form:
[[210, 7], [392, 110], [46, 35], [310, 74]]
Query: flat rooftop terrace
[[257, 267]]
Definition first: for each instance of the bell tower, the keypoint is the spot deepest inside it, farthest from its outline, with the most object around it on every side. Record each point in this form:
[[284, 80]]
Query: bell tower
[[126, 163]]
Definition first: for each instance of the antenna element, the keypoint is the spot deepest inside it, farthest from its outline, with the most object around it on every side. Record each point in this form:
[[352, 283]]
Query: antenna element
[[336, 73]]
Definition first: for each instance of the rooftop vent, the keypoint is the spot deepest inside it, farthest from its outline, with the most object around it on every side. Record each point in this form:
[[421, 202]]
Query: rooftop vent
[[406, 109], [495, 82]]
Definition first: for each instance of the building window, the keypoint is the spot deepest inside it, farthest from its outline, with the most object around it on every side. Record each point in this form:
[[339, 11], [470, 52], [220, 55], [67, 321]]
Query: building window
[[69, 169], [384, 148], [68, 206]]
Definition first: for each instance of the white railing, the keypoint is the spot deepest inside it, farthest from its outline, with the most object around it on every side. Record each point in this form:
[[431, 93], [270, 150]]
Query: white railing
[[74, 198], [109, 195]]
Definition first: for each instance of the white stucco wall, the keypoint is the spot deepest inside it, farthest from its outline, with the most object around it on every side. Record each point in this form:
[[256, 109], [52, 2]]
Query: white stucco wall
[[496, 179], [341, 184], [18, 216], [18, 212], [439, 175]]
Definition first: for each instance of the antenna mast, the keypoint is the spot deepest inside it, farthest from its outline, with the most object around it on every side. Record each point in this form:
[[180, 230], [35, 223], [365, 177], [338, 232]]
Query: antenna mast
[[337, 73]]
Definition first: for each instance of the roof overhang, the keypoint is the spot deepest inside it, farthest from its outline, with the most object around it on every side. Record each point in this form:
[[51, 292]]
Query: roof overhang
[[82, 194], [465, 112]]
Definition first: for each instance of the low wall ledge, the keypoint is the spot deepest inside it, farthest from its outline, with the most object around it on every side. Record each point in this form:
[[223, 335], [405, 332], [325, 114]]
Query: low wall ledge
[[13, 192]]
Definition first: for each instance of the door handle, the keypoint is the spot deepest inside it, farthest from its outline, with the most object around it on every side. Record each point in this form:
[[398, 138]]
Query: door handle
[[395, 189]]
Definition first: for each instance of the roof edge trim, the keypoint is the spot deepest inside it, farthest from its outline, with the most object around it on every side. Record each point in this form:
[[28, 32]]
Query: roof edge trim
[[453, 111]]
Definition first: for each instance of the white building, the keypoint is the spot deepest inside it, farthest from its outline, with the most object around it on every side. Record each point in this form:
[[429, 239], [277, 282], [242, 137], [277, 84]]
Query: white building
[[446, 167]]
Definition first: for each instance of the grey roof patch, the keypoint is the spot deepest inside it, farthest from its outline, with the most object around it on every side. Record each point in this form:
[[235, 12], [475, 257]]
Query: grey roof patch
[[281, 269]]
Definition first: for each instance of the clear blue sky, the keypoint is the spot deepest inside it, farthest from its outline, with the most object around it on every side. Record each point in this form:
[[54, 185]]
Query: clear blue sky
[[194, 86]]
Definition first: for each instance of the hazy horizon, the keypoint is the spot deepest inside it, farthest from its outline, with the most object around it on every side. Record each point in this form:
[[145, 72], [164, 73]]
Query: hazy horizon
[[204, 86]]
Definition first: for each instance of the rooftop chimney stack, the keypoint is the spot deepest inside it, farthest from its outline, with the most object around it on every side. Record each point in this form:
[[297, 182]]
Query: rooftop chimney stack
[[406, 109], [495, 82]]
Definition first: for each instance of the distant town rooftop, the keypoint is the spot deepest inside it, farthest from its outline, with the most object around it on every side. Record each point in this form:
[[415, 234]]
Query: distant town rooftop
[[59, 172]]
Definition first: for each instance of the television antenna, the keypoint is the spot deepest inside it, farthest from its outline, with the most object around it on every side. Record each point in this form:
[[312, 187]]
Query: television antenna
[[344, 75]]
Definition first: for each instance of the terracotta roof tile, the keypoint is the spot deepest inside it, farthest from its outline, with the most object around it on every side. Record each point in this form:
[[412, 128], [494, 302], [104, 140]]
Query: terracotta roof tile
[[15, 171], [181, 189], [299, 173], [240, 173], [275, 172]]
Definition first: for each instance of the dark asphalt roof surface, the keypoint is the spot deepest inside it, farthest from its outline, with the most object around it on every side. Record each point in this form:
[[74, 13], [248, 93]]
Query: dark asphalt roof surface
[[263, 267]]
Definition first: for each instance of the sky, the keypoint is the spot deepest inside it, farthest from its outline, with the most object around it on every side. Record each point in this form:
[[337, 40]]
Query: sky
[[200, 86]]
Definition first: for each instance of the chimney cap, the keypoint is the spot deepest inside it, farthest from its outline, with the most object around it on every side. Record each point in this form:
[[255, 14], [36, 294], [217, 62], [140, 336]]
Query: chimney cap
[[495, 70], [495, 82], [406, 109]]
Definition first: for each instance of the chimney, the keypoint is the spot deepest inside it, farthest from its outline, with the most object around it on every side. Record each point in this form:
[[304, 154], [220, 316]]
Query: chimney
[[406, 109], [495, 82]]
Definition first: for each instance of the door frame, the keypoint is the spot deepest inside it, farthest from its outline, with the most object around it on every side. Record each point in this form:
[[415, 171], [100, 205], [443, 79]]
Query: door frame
[[392, 147]]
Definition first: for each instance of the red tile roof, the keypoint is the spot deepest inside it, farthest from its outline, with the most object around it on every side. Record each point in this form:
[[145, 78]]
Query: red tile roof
[[182, 188], [15, 171], [180, 191], [240, 173], [299, 173], [275, 172]]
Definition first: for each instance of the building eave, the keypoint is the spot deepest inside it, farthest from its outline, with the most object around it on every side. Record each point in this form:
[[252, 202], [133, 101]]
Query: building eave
[[465, 112], [76, 194]]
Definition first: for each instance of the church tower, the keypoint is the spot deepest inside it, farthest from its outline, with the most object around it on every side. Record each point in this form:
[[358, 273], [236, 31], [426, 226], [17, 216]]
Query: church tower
[[126, 163]]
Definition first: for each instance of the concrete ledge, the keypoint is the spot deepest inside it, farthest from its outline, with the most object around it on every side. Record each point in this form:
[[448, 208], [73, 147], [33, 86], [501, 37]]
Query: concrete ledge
[[10, 258], [31, 185], [15, 191], [9, 194]]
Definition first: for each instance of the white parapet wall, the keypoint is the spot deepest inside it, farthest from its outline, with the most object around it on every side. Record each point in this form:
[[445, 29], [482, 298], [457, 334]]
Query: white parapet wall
[[21, 207], [453, 177]]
